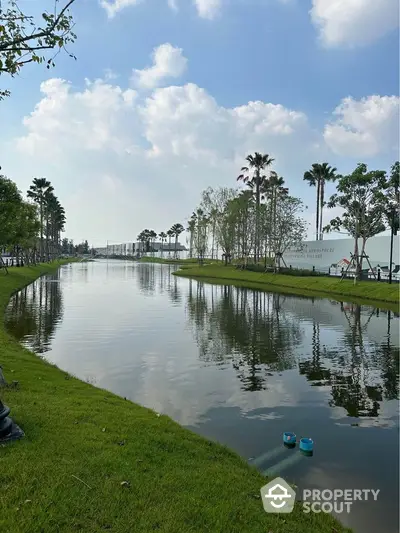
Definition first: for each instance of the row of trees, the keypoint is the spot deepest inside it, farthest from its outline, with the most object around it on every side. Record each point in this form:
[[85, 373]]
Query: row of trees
[[30, 229], [264, 219], [147, 239]]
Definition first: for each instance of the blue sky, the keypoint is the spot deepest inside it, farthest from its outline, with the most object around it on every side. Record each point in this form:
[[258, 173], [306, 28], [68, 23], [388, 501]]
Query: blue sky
[[145, 146]]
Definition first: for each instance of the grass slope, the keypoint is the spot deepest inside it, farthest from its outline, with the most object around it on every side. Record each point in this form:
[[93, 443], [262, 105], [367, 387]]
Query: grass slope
[[169, 261], [177, 482], [364, 291]]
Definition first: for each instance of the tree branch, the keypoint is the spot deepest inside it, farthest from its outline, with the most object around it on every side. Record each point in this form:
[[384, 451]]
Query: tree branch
[[45, 33]]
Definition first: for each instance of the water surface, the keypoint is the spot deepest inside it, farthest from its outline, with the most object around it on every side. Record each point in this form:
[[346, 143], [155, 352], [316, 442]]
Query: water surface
[[236, 365]]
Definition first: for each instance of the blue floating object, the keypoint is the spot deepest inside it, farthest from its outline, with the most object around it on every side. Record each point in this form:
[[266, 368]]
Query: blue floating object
[[289, 438], [306, 445]]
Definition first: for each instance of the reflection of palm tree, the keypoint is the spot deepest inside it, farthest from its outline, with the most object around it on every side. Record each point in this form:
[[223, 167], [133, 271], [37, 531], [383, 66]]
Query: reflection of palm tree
[[352, 387], [237, 328], [33, 313], [314, 369], [146, 277]]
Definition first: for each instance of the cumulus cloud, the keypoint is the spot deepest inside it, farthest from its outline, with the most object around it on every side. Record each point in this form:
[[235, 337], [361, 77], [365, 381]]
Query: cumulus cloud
[[208, 9], [113, 6], [168, 62], [354, 22], [364, 128], [120, 163]]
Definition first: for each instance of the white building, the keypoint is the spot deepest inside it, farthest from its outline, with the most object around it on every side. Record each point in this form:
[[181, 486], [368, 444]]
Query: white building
[[336, 253]]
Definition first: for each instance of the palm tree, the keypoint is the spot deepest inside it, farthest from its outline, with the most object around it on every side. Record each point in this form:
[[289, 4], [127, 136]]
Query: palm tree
[[37, 192], [191, 229], [177, 230], [272, 189], [170, 234], [318, 176], [152, 236], [163, 237], [256, 164]]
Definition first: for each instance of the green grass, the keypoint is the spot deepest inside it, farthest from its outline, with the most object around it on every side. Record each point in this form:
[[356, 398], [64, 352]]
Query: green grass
[[65, 475], [378, 293], [170, 261]]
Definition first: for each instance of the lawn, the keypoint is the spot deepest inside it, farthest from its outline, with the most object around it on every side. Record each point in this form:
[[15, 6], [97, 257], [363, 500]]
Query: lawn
[[364, 292], [94, 462], [170, 261]]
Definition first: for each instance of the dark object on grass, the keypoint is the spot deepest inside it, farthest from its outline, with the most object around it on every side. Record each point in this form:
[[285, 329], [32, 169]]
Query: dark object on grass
[[8, 429]]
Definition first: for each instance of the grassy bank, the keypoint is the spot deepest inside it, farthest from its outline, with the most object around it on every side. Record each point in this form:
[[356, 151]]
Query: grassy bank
[[363, 292], [94, 462], [170, 261]]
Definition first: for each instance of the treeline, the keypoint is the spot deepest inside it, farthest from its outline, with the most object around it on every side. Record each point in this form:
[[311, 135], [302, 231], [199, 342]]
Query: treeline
[[30, 229], [262, 221], [147, 239]]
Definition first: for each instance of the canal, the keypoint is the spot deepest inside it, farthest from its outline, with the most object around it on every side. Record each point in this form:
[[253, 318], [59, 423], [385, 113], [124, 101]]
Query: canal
[[237, 366]]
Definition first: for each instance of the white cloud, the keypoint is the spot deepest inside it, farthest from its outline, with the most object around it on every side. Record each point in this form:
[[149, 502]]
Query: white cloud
[[173, 4], [113, 6], [119, 163], [168, 62], [208, 9], [354, 22], [365, 128]]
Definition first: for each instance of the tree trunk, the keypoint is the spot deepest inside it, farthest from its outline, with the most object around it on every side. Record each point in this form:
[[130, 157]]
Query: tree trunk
[[317, 214], [257, 241], [321, 207]]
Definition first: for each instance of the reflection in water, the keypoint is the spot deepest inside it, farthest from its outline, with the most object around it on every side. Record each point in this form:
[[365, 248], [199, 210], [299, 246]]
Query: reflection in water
[[259, 335], [236, 365], [34, 312], [248, 327]]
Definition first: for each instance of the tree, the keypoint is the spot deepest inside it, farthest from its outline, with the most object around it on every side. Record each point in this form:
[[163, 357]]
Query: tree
[[10, 199], [392, 207], [23, 39], [38, 192], [272, 189], [177, 229], [163, 237], [318, 176], [360, 195], [252, 175], [289, 229], [170, 234]]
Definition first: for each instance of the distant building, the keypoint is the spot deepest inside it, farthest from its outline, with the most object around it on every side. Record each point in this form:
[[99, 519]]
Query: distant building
[[132, 248]]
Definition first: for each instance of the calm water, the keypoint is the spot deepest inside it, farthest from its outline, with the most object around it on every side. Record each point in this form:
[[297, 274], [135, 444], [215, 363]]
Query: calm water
[[235, 365]]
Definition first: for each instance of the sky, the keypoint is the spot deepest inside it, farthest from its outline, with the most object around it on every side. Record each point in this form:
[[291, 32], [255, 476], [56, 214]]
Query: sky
[[167, 97]]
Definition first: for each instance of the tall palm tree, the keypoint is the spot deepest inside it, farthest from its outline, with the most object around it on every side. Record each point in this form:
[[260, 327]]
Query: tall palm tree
[[170, 234], [191, 229], [272, 189], [152, 237], [37, 191], [177, 230], [317, 176], [257, 163], [163, 237]]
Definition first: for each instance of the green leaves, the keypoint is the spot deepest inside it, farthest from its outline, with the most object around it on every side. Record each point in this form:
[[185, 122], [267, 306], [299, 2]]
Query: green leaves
[[20, 45]]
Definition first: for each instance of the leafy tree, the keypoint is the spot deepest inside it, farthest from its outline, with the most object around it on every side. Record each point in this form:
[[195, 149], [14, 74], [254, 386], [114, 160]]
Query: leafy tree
[[359, 194], [318, 176], [289, 229], [24, 40], [10, 200]]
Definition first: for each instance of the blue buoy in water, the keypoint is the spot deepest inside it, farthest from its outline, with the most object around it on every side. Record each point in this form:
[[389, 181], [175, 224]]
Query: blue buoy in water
[[307, 445], [289, 439]]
